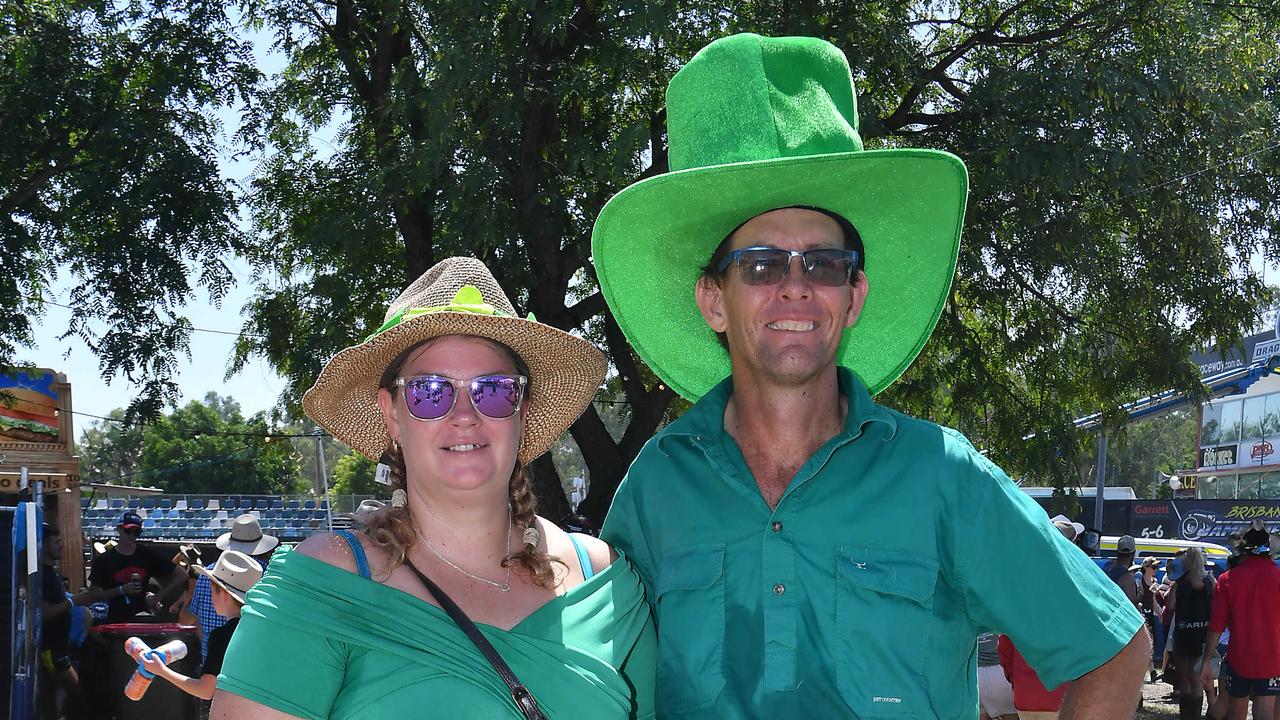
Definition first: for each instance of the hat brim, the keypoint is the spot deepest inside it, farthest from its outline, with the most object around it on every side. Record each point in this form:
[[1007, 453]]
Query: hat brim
[[234, 592], [651, 241], [266, 543], [565, 372]]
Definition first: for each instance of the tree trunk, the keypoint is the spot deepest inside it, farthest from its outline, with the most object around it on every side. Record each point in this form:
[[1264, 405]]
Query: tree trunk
[[552, 504]]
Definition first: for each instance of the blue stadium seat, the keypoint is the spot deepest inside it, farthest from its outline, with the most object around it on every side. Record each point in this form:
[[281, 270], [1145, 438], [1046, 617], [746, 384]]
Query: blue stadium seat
[[150, 502], [295, 505], [117, 503], [311, 504], [167, 503], [135, 503], [278, 504], [198, 503]]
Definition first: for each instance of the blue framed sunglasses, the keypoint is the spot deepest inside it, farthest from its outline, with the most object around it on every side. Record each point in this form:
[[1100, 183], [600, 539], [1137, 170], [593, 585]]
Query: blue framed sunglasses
[[759, 265]]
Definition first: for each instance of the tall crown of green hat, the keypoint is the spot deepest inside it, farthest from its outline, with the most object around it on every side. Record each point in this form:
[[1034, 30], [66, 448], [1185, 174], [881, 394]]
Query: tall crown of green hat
[[755, 124]]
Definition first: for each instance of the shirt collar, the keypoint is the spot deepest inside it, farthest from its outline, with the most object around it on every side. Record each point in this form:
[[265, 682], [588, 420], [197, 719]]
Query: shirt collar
[[706, 417]]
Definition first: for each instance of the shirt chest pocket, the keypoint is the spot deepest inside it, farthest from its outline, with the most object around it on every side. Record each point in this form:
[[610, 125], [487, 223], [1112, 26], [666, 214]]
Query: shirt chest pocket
[[691, 625], [884, 620]]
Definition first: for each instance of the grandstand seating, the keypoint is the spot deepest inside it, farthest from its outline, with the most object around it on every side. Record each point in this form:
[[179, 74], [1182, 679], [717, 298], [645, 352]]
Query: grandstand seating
[[204, 518]]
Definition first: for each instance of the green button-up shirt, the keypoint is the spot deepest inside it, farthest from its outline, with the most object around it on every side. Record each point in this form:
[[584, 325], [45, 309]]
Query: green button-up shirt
[[862, 593]]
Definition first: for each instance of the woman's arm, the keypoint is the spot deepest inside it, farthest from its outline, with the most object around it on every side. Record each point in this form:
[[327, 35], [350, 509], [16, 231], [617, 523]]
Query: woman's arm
[[229, 706]]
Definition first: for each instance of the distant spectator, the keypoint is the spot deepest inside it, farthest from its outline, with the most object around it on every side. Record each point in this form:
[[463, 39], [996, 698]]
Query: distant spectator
[[1070, 529], [1150, 604], [55, 632], [995, 694], [1192, 602], [1246, 605], [1119, 572], [232, 576], [1032, 700], [246, 536], [121, 575]]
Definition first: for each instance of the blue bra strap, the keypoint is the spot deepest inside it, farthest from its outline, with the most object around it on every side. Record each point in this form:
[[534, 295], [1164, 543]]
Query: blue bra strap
[[362, 562], [583, 559]]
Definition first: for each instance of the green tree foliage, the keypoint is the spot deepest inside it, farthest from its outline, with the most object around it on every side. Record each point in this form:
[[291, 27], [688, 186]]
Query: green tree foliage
[[110, 450], [1122, 160], [108, 172], [1164, 444], [201, 447], [353, 475]]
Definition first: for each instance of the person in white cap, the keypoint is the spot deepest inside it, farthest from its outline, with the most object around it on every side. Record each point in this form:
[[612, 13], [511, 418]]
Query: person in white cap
[[246, 536], [231, 577]]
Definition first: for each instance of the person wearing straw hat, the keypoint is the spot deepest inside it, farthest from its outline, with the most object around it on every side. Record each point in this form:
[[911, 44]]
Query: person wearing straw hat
[[780, 276], [457, 596], [231, 577], [245, 536]]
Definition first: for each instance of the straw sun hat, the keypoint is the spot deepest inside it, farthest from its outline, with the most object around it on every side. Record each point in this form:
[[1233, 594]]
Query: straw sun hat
[[458, 296]]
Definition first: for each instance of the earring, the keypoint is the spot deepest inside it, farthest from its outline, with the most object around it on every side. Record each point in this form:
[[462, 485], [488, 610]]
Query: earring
[[531, 535], [399, 498]]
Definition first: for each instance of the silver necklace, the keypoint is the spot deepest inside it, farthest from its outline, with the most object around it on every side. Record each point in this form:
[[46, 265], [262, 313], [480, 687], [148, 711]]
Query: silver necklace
[[504, 586]]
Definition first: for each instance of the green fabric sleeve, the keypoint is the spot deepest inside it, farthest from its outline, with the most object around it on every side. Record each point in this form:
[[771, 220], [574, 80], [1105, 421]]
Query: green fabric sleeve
[[258, 667], [623, 528], [638, 670], [1021, 577]]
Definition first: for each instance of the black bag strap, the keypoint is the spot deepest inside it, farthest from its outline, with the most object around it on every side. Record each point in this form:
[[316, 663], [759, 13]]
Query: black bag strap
[[524, 699]]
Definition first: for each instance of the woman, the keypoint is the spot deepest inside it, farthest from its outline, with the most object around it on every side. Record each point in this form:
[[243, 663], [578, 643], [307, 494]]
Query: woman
[[457, 396], [1191, 598], [1151, 607]]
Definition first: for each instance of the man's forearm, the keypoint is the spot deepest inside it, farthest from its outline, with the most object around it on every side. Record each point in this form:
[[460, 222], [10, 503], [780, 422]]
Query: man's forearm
[[98, 594], [1110, 691]]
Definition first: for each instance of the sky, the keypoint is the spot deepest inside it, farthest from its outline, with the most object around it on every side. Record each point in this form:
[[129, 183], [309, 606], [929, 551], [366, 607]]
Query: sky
[[256, 387]]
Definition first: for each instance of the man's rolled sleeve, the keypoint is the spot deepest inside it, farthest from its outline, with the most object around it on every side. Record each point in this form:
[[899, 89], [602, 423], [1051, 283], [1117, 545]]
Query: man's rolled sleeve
[[1021, 577]]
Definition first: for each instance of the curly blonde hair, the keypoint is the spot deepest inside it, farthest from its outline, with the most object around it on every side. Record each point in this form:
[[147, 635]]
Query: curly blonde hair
[[392, 529]]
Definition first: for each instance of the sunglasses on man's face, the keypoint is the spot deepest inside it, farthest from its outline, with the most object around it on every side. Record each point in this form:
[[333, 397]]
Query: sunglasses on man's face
[[131, 531], [758, 265], [432, 397]]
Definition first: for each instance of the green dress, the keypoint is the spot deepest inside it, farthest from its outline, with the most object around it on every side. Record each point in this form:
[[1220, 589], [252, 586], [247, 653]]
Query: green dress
[[317, 641]]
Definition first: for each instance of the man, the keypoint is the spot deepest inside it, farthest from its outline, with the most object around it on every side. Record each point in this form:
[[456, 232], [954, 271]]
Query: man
[[1120, 572], [55, 632], [809, 553], [1245, 604], [122, 575], [246, 536]]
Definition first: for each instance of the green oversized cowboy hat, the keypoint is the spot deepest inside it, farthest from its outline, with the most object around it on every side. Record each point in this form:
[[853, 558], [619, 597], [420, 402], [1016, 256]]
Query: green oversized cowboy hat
[[457, 296], [755, 124]]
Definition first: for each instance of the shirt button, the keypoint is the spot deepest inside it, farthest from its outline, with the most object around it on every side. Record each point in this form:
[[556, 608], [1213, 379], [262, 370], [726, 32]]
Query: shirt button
[[776, 526], [779, 589]]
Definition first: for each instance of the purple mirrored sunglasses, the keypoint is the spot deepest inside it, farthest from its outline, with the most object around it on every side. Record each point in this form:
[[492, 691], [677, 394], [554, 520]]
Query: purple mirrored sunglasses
[[432, 397]]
